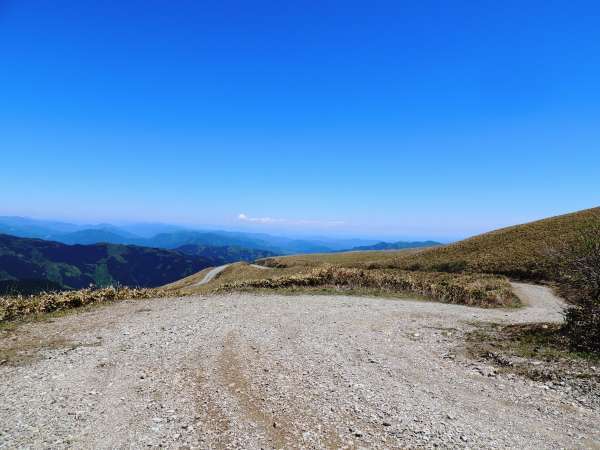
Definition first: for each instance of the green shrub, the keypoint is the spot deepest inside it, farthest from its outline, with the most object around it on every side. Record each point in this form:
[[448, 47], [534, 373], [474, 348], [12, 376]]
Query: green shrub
[[579, 270], [582, 327]]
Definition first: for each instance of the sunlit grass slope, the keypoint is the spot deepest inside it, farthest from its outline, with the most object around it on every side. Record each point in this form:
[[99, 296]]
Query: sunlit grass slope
[[522, 252]]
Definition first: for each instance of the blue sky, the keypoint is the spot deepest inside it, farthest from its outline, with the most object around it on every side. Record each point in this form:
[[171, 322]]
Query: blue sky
[[395, 119]]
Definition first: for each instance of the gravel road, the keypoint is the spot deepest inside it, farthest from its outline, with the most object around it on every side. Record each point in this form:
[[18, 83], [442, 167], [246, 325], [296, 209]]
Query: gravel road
[[212, 273], [245, 371]]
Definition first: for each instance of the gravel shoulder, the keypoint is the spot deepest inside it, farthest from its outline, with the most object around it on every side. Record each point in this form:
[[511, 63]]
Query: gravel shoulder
[[248, 371]]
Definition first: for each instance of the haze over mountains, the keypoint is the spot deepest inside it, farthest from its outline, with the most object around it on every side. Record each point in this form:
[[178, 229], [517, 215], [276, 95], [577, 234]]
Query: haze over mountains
[[172, 237], [41, 255]]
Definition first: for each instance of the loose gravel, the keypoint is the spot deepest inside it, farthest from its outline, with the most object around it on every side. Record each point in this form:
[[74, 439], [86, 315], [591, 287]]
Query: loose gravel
[[247, 371]]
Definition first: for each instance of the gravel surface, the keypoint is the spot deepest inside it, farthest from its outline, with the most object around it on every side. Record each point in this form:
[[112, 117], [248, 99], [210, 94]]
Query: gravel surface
[[244, 371], [212, 273]]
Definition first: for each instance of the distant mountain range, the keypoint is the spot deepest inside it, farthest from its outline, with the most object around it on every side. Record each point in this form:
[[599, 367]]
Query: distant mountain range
[[219, 255], [40, 255], [78, 266], [28, 265], [171, 237], [397, 245]]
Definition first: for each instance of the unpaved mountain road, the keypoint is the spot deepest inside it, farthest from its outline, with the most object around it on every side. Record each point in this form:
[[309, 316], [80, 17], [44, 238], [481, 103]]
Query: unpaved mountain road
[[244, 371], [212, 273]]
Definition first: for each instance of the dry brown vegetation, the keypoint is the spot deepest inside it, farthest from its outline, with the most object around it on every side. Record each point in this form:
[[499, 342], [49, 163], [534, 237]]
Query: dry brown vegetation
[[17, 307], [479, 290], [471, 272], [520, 252], [363, 260], [579, 270], [526, 252]]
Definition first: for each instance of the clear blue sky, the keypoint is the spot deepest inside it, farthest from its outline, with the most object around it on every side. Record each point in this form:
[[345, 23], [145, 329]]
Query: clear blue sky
[[393, 118]]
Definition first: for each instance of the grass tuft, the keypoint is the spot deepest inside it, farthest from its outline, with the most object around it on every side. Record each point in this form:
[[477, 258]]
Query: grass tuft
[[467, 289], [18, 307]]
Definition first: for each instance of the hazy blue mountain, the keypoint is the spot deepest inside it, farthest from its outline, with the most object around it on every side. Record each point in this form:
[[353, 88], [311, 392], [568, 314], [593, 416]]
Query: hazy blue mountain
[[112, 229], [180, 238], [342, 244], [168, 236], [147, 230], [25, 227], [224, 255], [93, 236], [396, 245]]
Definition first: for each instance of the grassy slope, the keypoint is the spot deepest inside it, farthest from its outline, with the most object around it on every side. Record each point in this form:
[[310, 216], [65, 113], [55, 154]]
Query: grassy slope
[[521, 251], [480, 290], [358, 259], [235, 272]]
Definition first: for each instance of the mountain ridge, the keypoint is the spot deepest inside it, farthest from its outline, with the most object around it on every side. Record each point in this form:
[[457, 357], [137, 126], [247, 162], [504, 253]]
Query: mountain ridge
[[27, 263], [171, 236]]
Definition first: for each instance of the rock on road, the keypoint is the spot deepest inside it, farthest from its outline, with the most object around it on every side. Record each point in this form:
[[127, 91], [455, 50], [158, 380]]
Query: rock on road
[[246, 371]]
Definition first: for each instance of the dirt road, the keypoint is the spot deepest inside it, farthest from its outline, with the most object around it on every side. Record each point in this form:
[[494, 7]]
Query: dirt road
[[243, 371], [212, 273]]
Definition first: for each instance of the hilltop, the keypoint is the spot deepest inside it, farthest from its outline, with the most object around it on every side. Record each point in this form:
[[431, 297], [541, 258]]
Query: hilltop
[[400, 245], [473, 271], [524, 251]]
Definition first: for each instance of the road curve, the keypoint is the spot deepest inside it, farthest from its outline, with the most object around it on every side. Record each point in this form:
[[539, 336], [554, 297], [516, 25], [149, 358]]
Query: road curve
[[540, 300], [250, 371], [211, 274]]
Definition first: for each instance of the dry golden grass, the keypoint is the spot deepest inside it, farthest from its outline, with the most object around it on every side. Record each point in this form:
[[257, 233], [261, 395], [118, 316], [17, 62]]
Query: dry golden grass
[[187, 281], [479, 290], [234, 272], [470, 272], [521, 252], [13, 308], [365, 259], [452, 273]]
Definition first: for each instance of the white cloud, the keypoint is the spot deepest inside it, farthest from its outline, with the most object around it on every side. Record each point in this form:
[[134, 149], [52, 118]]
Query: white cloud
[[244, 218], [270, 220]]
